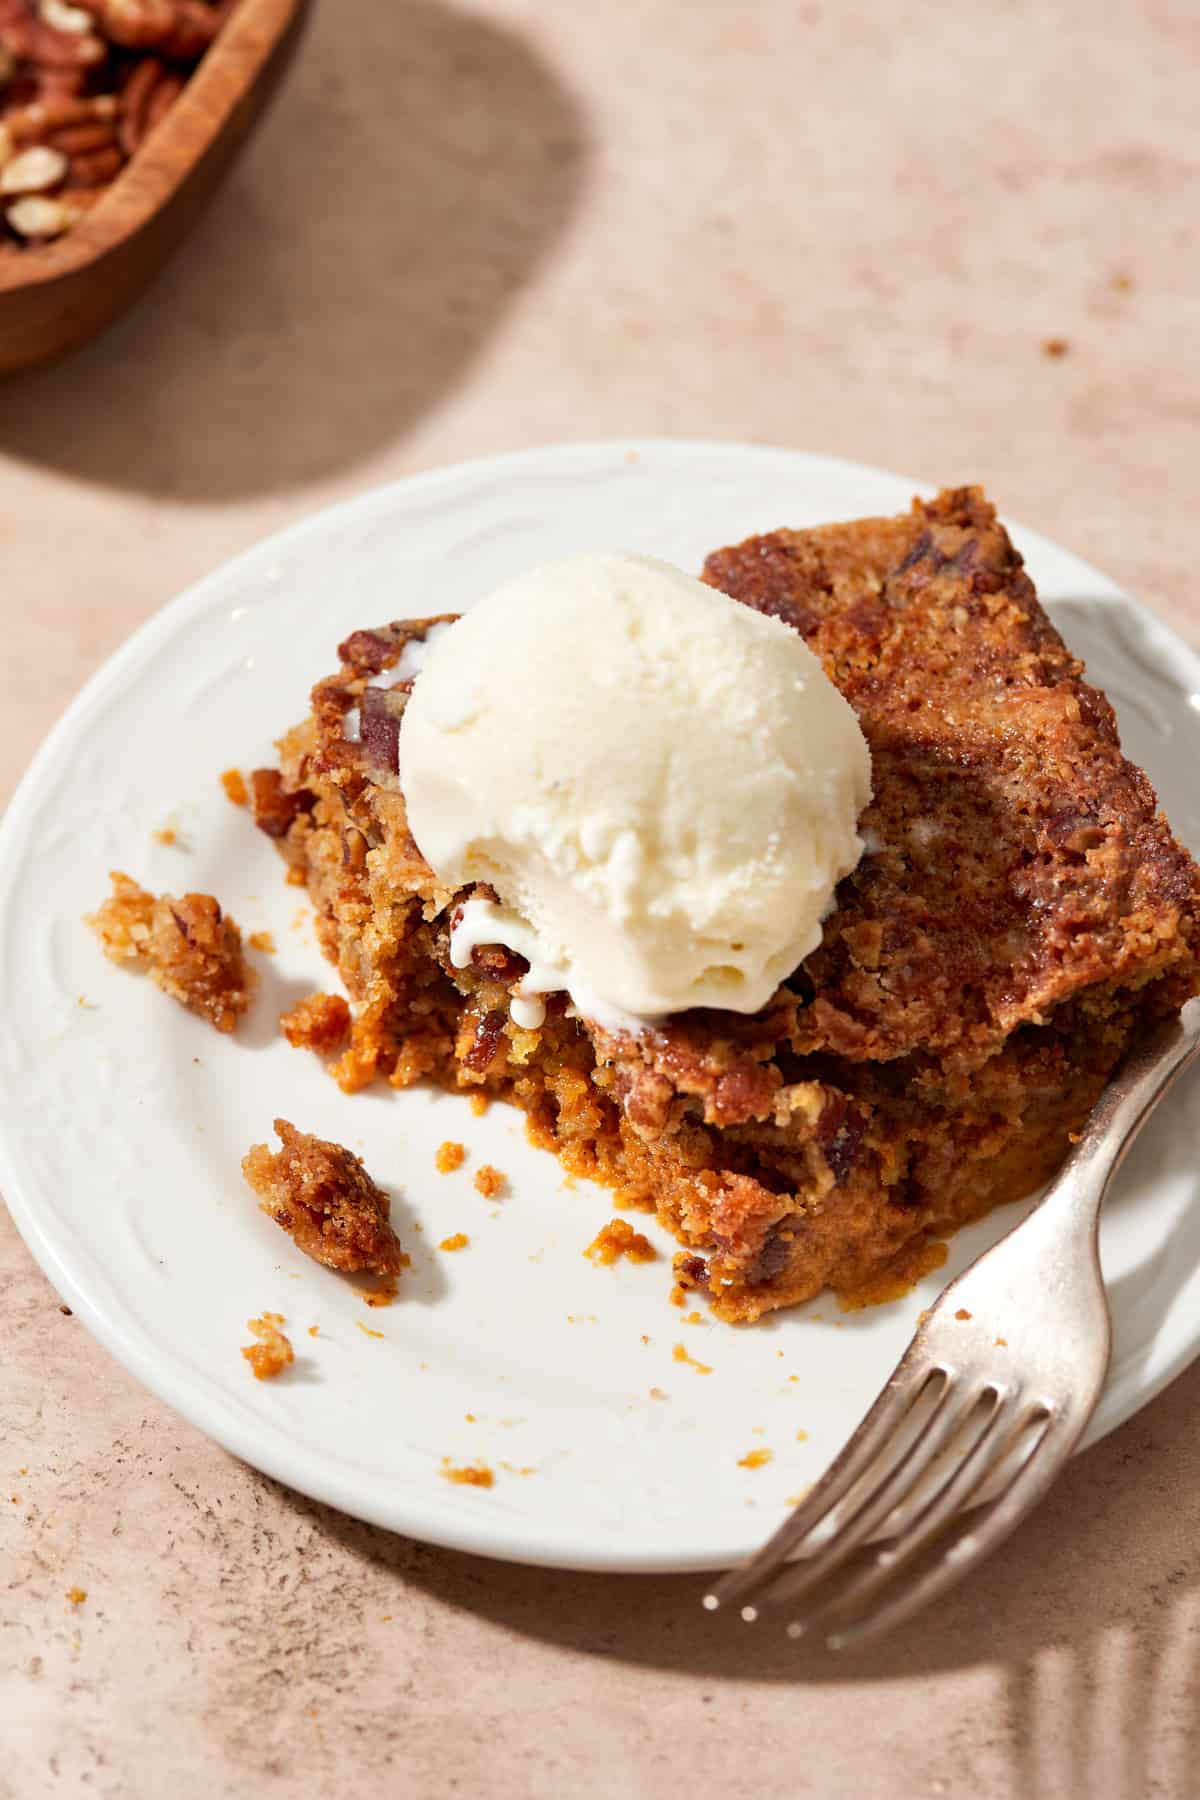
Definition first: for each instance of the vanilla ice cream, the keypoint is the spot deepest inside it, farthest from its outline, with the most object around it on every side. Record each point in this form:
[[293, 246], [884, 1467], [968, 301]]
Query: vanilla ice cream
[[661, 785]]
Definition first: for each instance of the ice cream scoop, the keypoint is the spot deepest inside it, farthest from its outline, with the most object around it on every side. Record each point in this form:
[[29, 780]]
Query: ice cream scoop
[[661, 785]]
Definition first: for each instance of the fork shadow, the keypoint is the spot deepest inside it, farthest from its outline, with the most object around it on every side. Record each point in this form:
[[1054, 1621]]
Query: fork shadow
[[415, 170], [1092, 1626]]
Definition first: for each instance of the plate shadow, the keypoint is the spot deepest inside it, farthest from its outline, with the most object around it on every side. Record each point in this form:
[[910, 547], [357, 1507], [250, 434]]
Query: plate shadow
[[414, 172]]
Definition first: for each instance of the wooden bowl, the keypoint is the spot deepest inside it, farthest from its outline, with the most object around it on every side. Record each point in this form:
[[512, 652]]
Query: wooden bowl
[[56, 296]]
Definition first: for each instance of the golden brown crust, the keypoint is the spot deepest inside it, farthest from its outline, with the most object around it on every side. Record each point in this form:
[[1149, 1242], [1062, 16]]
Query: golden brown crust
[[1015, 858], [1021, 915], [188, 947], [320, 1193]]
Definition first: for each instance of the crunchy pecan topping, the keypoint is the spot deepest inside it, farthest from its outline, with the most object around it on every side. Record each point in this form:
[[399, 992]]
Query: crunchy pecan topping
[[380, 729], [276, 807]]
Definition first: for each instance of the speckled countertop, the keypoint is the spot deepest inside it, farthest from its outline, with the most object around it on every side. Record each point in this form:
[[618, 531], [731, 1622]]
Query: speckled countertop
[[850, 228]]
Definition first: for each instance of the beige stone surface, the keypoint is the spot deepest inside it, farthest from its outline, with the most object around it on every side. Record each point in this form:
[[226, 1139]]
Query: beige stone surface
[[846, 227]]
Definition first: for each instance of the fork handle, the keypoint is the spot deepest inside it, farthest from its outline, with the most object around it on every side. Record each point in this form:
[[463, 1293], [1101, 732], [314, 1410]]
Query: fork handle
[[1121, 1111]]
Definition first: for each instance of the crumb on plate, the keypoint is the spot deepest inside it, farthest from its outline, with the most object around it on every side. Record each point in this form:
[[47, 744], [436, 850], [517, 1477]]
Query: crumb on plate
[[450, 1156], [385, 1294], [458, 1241], [680, 1354], [755, 1459], [234, 783], [490, 1181], [618, 1239], [320, 1193], [273, 1351], [188, 947], [467, 1475], [319, 1022]]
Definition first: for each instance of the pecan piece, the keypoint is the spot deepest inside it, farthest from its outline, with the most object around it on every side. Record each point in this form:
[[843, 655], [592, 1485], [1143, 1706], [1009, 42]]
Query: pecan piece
[[320, 1193], [380, 728], [488, 1034], [276, 807], [33, 171], [840, 1131], [179, 29]]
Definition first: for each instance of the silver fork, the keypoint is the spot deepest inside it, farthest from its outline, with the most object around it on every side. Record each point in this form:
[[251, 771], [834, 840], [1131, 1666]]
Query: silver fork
[[985, 1406]]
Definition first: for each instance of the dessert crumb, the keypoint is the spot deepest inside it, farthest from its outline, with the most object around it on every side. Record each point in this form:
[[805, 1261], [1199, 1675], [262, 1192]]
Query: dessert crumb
[[76, 1595], [657, 1393], [166, 834], [383, 1295], [322, 1196], [1002, 1343], [234, 783], [262, 940], [617, 1239], [188, 946], [314, 1331], [469, 1475], [479, 1104], [802, 1437], [490, 1181], [366, 1330], [319, 1022], [677, 1297], [470, 1418], [450, 1156], [754, 1459], [1055, 347], [272, 1353], [680, 1354], [962, 1313], [458, 1241]]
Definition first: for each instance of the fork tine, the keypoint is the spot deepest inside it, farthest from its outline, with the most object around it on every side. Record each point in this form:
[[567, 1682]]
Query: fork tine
[[894, 1404], [1027, 1484], [900, 1482]]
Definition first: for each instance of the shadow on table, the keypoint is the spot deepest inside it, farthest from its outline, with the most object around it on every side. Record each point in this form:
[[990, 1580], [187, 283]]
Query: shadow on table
[[417, 167], [1092, 1613]]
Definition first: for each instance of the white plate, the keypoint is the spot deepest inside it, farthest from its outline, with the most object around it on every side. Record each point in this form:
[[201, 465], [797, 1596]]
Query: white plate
[[123, 1120]]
